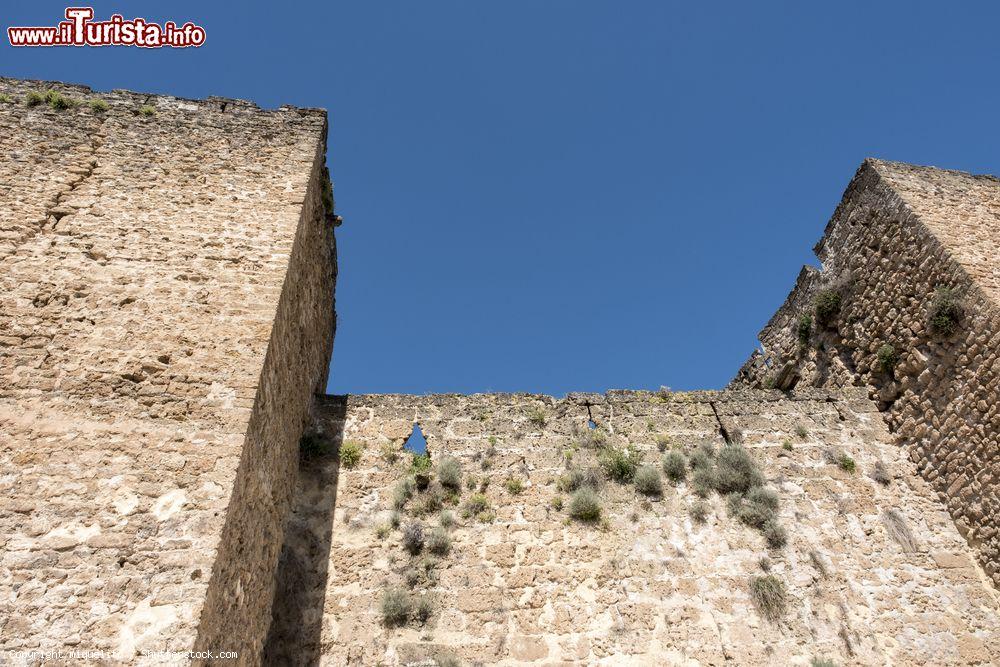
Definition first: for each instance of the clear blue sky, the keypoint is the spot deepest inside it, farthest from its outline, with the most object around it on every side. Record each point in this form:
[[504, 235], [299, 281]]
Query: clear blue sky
[[567, 195]]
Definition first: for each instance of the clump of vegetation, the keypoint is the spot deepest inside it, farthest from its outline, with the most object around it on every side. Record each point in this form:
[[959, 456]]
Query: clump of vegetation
[[584, 505], [945, 312], [827, 306], [413, 538], [557, 503], [396, 607], [887, 358], [737, 471], [662, 442], [804, 329], [801, 432], [423, 609], [350, 453], [5, 98], [787, 445], [450, 474], [822, 662], [703, 457], [447, 519], [594, 438], [514, 486], [675, 466], [421, 462], [699, 511], [97, 105], [34, 98], [432, 500], [704, 481], [438, 542], [576, 478], [620, 464], [757, 508], [648, 482], [895, 525], [389, 452], [478, 506], [536, 416], [846, 463], [58, 101], [880, 474], [395, 519], [147, 111], [402, 493], [774, 533], [383, 531], [768, 595], [313, 445]]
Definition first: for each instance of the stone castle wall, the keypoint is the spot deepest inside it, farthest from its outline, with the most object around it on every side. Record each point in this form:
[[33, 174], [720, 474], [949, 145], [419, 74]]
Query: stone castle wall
[[166, 278], [526, 584], [899, 233]]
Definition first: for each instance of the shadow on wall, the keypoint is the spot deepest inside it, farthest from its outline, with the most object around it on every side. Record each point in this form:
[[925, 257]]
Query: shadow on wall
[[297, 612]]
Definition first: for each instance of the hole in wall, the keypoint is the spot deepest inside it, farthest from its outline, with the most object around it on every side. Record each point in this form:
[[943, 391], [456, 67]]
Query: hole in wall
[[416, 443]]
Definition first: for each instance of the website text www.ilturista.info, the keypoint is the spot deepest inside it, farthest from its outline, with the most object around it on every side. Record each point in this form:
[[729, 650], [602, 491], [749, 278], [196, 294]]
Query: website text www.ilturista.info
[[79, 29]]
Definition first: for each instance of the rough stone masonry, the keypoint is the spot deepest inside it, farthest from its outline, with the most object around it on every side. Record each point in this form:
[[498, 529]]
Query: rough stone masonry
[[166, 315], [172, 478], [901, 235]]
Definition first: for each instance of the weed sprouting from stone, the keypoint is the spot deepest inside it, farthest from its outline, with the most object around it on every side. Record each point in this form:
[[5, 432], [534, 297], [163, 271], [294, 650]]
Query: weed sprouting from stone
[[768, 595], [648, 482], [584, 505], [945, 312], [350, 453], [396, 607], [413, 538], [675, 466]]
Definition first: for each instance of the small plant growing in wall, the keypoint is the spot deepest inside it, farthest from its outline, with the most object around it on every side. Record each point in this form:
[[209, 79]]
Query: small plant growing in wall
[[34, 98], [438, 542], [413, 538], [675, 466], [5, 98], [801, 432], [648, 482], [147, 111], [584, 505], [887, 358], [97, 105], [450, 474], [350, 453], [768, 595], [514, 486], [699, 511], [827, 307], [804, 329], [945, 312], [396, 607], [620, 464], [737, 471], [536, 416]]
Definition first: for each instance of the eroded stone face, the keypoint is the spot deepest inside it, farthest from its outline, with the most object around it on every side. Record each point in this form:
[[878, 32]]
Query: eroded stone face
[[899, 233], [145, 263], [650, 586]]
